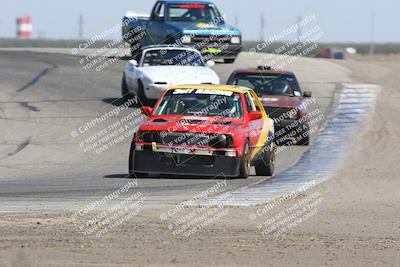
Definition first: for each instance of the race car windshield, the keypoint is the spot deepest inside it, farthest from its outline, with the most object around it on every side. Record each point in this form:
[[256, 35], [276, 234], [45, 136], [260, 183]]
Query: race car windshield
[[266, 84], [170, 57], [198, 102], [193, 13]]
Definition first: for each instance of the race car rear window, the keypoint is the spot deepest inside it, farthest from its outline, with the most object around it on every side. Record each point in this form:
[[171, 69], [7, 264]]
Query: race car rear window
[[268, 84], [192, 12], [199, 102]]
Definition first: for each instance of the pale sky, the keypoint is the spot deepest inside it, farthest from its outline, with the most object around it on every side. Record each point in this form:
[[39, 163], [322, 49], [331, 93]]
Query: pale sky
[[341, 20]]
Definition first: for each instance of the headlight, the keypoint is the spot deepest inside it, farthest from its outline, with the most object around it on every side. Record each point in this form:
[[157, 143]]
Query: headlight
[[235, 40], [186, 39], [221, 141]]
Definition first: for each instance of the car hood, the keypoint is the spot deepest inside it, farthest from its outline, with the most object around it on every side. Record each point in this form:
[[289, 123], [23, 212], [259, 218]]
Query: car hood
[[174, 75], [193, 124], [281, 101]]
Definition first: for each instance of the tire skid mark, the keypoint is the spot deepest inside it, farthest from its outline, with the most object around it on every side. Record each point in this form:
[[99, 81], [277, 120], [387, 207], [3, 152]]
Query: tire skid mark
[[319, 163], [26, 104], [43, 73], [19, 148], [2, 113], [56, 100]]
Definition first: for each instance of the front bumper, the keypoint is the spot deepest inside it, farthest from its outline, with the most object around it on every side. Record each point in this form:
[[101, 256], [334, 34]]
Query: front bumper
[[223, 50], [189, 161]]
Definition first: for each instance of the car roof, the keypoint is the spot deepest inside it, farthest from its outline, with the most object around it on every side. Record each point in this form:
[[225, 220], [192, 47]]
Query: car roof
[[231, 88], [262, 71]]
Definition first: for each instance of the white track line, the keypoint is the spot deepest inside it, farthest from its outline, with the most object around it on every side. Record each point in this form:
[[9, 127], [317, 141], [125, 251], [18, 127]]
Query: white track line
[[319, 162]]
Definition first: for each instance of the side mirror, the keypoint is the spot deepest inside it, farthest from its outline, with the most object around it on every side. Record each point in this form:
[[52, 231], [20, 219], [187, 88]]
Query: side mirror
[[133, 62], [307, 94], [210, 63], [146, 111], [255, 115]]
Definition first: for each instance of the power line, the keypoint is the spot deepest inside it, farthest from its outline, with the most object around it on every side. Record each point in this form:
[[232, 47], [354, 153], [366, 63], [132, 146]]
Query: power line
[[262, 27], [299, 28], [41, 34], [372, 42], [236, 20], [81, 23]]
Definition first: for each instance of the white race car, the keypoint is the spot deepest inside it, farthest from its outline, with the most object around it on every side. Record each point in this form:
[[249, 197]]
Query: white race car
[[157, 67]]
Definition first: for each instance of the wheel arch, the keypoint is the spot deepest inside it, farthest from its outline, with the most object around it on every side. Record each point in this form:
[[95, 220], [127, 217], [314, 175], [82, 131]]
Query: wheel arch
[[240, 144]]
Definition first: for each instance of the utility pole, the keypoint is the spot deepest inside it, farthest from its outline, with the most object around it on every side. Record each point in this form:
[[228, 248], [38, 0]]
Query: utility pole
[[262, 27], [299, 29], [236, 20], [372, 42], [81, 26]]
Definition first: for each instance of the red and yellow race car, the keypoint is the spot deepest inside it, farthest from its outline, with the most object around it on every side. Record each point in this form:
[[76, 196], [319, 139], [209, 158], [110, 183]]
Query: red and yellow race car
[[204, 130]]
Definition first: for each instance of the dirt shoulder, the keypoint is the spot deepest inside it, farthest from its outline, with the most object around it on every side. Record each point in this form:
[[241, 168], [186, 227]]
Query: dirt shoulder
[[356, 223]]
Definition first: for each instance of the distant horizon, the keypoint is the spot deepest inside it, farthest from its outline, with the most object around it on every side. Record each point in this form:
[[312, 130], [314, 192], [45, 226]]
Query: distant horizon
[[342, 21], [105, 40]]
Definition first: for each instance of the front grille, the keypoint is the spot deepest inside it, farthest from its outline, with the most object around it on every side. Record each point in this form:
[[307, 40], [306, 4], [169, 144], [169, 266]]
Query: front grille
[[186, 139], [178, 139], [210, 40], [149, 137], [276, 112]]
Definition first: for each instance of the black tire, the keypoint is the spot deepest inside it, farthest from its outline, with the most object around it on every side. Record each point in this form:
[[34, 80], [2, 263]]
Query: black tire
[[245, 162], [143, 100], [266, 165], [126, 95], [132, 173], [229, 60]]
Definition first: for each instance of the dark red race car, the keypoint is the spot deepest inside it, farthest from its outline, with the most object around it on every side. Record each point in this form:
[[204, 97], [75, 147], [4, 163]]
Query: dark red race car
[[283, 100], [204, 130]]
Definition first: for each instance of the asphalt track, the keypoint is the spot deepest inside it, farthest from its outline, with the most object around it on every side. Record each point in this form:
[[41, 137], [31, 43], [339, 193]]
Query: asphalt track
[[46, 96]]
